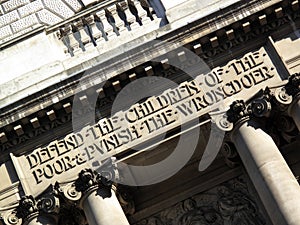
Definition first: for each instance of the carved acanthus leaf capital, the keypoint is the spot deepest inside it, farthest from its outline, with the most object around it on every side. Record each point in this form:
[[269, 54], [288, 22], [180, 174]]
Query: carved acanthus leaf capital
[[241, 111], [293, 86], [103, 177], [238, 112], [46, 203], [27, 207]]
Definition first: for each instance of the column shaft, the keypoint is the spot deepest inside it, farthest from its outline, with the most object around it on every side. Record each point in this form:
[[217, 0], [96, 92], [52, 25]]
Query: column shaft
[[270, 174], [103, 208]]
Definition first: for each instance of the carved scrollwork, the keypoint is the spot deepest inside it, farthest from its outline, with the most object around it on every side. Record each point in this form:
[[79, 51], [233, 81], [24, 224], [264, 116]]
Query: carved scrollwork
[[261, 107], [27, 207], [126, 201], [282, 97], [222, 122], [105, 175], [231, 156], [71, 193], [87, 178], [11, 218], [241, 111], [293, 86], [49, 204], [238, 112]]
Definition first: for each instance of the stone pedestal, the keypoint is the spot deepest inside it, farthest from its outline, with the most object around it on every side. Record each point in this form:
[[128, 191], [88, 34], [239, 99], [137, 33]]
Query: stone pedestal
[[270, 174], [102, 207]]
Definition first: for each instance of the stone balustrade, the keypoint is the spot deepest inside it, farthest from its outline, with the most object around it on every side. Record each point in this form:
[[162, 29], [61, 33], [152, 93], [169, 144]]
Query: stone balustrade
[[105, 22]]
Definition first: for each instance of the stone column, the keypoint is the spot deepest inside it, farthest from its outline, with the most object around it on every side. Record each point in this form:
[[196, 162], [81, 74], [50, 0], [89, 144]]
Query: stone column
[[99, 200], [38, 212], [270, 174], [293, 89]]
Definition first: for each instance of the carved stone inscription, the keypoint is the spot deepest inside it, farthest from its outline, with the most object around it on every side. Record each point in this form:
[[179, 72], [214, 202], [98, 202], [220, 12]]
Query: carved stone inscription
[[63, 158]]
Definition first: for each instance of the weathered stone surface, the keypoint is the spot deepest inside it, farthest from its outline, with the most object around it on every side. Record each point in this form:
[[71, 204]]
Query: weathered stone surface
[[229, 203], [74, 4], [31, 8], [59, 8], [9, 18], [26, 22], [5, 31], [193, 9], [13, 4], [47, 17]]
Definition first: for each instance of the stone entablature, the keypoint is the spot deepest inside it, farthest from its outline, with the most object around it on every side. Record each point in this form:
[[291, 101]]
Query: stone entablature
[[240, 78], [206, 47]]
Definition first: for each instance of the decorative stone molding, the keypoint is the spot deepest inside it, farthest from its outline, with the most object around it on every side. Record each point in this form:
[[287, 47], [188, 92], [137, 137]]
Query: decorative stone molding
[[103, 177], [293, 86], [240, 111], [284, 96], [27, 207], [232, 158], [126, 200], [229, 203], [10, 218], [47, 203]]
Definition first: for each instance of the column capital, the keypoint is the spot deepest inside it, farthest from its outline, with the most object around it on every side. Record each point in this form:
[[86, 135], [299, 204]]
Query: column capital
[[293, 86], [27, 207], [10, 217], [30, 207], [102, 177], [240, 111]]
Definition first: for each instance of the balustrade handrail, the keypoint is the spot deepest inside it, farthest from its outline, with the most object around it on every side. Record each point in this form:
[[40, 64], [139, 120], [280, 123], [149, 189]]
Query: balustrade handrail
[[82, 14]]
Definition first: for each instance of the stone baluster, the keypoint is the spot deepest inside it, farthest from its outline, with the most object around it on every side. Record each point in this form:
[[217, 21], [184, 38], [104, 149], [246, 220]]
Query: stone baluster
[[91, 29], [293, 89], [120, 25], [146, 6], [75, 39], [108, 29], [100, 27], [99, 200], [90, 20], [64, 36], [83, 36], [270, 174], [142, 14], [129, 16], [73, 42]]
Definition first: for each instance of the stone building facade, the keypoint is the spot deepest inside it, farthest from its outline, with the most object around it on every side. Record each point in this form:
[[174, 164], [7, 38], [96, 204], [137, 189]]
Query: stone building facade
[[149, 112]]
